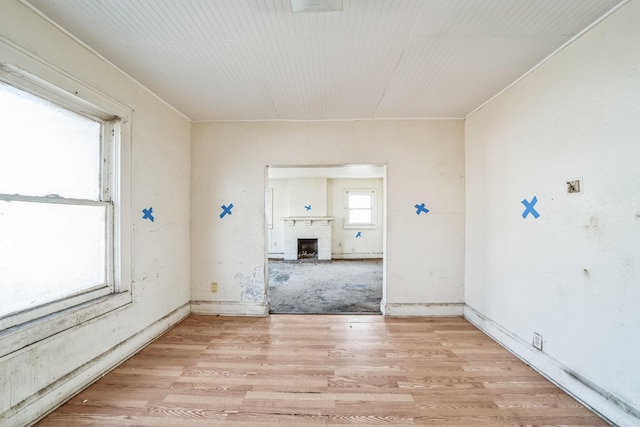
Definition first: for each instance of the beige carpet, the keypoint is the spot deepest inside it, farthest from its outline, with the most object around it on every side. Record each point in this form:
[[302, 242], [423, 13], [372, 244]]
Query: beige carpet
[[325, 287]]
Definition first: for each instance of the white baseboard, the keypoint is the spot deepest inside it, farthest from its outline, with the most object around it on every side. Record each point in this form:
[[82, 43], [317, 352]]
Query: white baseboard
[[358, 256], [421, 310], [603, 403], [229, 308], [56, 394]]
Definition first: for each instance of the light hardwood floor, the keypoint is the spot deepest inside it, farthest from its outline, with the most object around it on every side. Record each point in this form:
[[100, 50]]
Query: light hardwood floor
[[287, 370]]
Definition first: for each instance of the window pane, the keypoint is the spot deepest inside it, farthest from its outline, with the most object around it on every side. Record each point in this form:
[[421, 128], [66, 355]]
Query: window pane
[[360, 216], [359, 201], [45, 149], [48, 251]]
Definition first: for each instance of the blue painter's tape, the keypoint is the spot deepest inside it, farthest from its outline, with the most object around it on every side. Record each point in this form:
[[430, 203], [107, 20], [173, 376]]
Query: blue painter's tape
[[147, 214], [226, 210], [529, 207], [359, 234], [308, 207], [420, 208]]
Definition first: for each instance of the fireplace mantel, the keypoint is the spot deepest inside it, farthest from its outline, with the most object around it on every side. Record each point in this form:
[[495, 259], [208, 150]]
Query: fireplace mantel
[[307, 227], [307, 220]]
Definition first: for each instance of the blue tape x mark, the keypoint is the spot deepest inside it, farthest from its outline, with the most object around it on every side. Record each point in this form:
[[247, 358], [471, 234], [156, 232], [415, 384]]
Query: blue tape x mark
[[308, 207], [528, 208], [359, 234], [420, 208], [147, 214], [226, 210]]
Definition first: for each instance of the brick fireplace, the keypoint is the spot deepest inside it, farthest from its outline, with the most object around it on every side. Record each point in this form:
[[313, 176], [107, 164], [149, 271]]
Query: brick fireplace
[[307, 228]]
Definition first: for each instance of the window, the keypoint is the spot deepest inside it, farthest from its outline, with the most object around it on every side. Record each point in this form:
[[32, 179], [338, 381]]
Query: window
[[360, 209], [57, 217]]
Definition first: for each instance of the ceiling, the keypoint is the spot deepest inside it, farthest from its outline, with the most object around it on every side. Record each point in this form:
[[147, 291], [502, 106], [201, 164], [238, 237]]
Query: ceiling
[[376, 59]]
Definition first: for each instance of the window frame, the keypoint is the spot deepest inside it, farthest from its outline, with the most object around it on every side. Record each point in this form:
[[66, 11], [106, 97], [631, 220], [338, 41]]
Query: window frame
[[28, 326], [347, 209]]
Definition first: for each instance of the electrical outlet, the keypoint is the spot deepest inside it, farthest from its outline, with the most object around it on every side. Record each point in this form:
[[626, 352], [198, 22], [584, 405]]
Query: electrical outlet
[[574, 186], [214, 287], [537, 341]]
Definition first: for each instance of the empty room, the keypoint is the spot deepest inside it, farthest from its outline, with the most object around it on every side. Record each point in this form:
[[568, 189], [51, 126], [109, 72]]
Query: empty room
[[146, 193], [325, 239]]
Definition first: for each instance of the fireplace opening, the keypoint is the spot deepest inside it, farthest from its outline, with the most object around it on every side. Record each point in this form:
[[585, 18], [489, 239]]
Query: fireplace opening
[[307, 248]]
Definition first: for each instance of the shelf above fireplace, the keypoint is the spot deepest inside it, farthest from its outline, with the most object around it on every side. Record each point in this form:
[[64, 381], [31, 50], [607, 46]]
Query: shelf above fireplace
[[307, 227], [307, 220]]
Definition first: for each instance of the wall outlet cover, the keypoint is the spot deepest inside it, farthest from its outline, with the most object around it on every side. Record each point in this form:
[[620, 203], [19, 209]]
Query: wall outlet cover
[[574, 186], [537, 341]]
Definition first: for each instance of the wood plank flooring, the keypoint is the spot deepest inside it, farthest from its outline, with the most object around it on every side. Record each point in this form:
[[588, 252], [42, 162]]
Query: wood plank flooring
[[287, 370]]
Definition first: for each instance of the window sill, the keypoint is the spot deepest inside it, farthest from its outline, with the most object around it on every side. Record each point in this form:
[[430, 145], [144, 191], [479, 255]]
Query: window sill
[[26, 334], [360, 226]]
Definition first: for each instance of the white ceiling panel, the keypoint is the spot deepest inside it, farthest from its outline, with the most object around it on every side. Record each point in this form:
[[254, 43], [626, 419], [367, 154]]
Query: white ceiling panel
[[257, 60]]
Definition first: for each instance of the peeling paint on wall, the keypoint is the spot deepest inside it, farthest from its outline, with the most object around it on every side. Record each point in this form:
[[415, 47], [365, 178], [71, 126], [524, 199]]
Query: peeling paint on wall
[[252, 285]]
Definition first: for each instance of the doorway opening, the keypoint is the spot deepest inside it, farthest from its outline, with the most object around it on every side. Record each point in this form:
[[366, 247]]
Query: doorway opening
[[325, 238]]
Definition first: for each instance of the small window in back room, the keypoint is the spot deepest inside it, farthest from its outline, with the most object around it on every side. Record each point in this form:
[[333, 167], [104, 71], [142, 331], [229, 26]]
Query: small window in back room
[[360, 208], [55, 205]]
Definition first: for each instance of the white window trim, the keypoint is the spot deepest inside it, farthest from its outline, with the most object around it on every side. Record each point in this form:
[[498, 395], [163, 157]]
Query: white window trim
[[374, 211], [26, 327]]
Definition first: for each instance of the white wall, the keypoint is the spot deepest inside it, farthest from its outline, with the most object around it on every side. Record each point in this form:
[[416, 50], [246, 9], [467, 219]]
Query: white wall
[[34, 379], [573, 274], [424, 259], [307, 192]]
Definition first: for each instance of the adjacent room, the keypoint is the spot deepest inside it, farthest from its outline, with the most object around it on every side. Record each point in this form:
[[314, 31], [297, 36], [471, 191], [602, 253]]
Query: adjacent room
[[325, 233], [467, 169]]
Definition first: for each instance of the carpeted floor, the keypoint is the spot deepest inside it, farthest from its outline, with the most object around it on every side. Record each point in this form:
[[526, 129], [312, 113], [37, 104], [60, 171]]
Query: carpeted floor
[[325, 287]]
